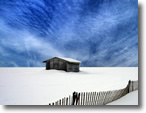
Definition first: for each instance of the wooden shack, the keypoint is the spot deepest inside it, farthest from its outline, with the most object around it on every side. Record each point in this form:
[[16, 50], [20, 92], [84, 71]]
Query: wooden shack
[[60, 63]]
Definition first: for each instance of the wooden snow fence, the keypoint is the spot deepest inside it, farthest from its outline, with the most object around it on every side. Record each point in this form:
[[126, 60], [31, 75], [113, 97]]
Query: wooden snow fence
[[97, 98]]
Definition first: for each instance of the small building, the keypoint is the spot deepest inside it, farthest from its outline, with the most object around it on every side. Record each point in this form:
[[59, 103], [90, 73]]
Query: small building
[[59, 63]]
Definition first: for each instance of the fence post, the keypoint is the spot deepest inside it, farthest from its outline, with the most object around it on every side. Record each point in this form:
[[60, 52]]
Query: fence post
[[60, 102], [67, 101], [75, 98], [129, 83]]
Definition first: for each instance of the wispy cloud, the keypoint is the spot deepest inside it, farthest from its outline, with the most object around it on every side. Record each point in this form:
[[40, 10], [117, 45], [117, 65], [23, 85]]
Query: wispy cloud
[[21, 46], [99, 33]]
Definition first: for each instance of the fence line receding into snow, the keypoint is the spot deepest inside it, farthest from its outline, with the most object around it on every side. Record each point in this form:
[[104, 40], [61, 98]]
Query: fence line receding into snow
[[96, 98]]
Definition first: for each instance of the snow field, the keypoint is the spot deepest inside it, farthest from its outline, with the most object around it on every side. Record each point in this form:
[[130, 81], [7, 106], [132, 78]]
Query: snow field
[[37, 86]]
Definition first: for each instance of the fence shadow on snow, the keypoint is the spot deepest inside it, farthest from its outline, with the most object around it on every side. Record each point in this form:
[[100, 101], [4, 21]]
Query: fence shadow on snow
[[96, 98]]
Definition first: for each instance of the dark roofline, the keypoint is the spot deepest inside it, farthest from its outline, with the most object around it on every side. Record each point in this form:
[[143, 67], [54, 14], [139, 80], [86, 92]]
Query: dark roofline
[[61, 59], [47, 60]]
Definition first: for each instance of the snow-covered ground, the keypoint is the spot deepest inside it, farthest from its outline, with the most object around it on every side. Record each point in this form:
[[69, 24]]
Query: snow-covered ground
[[129, 99], [37, 86]]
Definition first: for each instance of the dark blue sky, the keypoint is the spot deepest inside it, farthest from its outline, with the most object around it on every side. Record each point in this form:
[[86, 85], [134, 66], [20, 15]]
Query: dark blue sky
[[96, 32]]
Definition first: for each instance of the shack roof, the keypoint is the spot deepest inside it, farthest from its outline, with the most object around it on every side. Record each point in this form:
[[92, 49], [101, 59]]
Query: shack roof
[[66, 59]]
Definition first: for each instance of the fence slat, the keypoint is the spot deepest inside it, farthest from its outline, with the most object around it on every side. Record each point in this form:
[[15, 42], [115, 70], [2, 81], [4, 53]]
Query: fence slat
[[87, 98], [96, 98], [113, 95], [93, 98], [100, 98], [81, 98], [110, 97], [106, 97], [90, 97]]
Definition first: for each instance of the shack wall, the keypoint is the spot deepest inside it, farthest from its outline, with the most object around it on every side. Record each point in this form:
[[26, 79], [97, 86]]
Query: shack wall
[[72, 67], [47, 65], [58, 64]]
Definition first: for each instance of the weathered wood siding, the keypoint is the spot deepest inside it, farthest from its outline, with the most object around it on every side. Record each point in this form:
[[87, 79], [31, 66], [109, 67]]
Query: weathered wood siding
[[51, 64], [72, 67], [48, 65], [56, 63], [62, 65]]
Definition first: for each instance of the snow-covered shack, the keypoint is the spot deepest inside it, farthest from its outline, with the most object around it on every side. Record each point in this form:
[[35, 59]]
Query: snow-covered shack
[[60, 63]]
